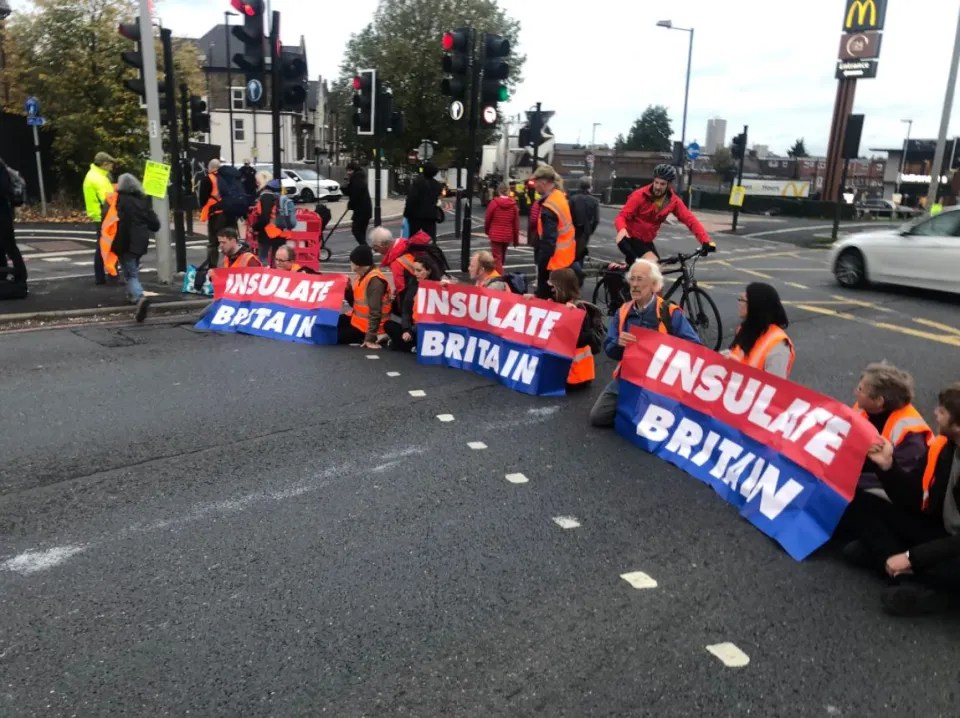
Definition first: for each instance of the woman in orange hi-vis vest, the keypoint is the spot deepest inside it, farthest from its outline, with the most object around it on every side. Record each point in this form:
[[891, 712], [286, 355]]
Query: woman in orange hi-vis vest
[[557, 248], [760, 340]]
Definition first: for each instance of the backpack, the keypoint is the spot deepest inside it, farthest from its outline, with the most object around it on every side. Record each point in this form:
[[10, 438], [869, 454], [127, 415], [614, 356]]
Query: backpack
[[18, 189], [517, 282], [666, 317], [325, 215], [233, 198], [598, 330], [286, 213], [433, 255]]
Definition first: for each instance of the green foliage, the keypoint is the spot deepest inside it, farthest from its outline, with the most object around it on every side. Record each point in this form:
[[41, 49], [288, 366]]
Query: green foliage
[[722, 160], [799, 149], [403, 44], [650, 132]]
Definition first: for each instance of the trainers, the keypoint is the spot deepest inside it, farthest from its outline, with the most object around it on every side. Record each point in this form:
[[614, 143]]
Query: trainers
[[143, 304], [912, 599]]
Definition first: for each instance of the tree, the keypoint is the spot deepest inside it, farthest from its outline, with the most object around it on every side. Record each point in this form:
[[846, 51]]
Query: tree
[[798, 149], [403, 44], [67, 54], [722, 160], [650, 132]]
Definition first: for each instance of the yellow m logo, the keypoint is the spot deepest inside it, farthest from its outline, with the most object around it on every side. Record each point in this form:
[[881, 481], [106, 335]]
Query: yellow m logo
[[862, 7]]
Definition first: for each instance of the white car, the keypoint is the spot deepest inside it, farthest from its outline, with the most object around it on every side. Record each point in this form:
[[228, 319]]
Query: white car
[[924, 254], [312, 186], [288, 185]]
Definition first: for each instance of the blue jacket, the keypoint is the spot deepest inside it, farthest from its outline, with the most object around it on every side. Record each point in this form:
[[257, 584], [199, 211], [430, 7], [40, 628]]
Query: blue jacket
[[648, 319]]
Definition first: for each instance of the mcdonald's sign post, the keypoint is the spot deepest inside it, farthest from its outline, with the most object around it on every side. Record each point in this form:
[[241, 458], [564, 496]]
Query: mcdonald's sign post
[[864, 15]]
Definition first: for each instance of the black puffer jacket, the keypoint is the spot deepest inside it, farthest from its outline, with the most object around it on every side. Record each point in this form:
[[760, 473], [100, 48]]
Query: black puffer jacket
[[136, 223]]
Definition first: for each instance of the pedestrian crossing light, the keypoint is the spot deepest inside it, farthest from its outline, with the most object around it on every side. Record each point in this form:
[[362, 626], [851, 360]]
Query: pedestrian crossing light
[[252, 60], [738, 146], [456, 63], [134, 58], [293, 81], [199, 117], [364, 102]]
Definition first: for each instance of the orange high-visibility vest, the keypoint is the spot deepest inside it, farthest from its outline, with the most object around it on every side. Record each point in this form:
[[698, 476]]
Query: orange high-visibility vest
[[360, 313], [565, 252], [295, 267], [757, 357], [272, 230], [933, 454], [901, 423], [494, 275], [406, 261], [243, 259], [214, 198], [661, 327], [582, 369], [108, 232]]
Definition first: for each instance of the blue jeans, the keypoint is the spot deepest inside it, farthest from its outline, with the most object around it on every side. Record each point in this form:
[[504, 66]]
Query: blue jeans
[[131, 270]]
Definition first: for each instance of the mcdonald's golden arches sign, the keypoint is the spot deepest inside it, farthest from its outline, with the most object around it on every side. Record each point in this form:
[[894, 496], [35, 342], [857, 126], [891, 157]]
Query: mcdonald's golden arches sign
[[863, 15]]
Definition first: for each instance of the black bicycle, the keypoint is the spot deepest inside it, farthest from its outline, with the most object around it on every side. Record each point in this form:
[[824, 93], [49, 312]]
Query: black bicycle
[[613, 290]]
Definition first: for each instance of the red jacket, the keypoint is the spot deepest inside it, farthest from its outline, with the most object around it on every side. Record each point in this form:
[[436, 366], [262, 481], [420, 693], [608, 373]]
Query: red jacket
[[642, 219], [392, 258], [502, 223]]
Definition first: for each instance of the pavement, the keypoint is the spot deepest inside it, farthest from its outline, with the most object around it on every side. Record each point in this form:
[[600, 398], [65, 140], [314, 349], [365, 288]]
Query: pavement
[[225, 525]]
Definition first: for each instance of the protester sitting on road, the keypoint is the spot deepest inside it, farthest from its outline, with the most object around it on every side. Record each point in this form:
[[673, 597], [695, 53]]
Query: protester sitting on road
[[761, 341], [884, 396], [483, 272], [647, 310], [285, 258], [502, 225], [235, 253], [403, 334], [398, 255], [136, 222], [263, 216], [565, 288], [915, 536], [369, 298]]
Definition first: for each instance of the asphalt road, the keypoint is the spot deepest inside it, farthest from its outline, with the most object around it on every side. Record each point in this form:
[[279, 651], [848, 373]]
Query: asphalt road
[[223, 525]]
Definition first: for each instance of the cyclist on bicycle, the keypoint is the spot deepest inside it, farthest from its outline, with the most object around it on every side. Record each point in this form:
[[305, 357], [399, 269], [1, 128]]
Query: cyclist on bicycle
[[646, 209]]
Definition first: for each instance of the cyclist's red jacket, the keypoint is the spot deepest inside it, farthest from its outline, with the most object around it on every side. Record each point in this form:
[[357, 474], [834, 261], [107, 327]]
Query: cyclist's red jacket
[[642, 219]]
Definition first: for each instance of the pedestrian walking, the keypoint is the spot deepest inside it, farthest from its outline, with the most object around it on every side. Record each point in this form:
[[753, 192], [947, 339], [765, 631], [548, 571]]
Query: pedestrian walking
[[585, 209], [16, 286], [420, 209], [136, 223], [502, 225], [97, 186], [359, 203], [212, 211]]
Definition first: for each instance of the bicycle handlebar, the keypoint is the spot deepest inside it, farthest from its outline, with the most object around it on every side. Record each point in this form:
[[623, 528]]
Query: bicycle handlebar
[[682, 258]]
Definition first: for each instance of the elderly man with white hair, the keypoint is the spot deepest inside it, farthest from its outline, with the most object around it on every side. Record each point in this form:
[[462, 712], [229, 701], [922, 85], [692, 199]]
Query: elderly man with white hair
[[399, 255], [648, 310]]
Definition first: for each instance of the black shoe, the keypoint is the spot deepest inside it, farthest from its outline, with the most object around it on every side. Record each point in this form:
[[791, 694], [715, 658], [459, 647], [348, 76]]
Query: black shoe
[[142, 306], [856, 554], [100, 282], [913, 599]]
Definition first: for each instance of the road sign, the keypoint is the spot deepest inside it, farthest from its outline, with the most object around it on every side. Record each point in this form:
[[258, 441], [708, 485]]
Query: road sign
[[862, 15], [456, 109], [35, 122], [32, 106], [737, 193], [254, 92], [490, 114], [858, 69], [693, 150], [412, 157], [426, 149], [860, 46], [589, 160]]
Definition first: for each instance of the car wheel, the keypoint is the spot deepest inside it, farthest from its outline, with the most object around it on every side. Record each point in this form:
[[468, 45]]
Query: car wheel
[[306, 196], [850, 269]]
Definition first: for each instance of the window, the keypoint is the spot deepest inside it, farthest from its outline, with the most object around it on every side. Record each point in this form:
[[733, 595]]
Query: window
[[946, 224], [238, 133], [237, 97]]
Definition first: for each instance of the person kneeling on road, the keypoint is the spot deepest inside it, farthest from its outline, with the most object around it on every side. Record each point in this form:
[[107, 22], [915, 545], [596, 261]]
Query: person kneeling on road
[[648, 310], [369, 297], [915, 536]]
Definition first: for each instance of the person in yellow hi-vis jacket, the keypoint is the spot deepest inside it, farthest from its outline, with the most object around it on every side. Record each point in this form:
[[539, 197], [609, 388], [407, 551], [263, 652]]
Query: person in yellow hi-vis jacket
[[97, 186]]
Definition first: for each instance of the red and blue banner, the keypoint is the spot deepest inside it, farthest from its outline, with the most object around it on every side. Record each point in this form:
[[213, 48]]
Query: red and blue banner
[[271, 303], [787, 457], [525, 344]]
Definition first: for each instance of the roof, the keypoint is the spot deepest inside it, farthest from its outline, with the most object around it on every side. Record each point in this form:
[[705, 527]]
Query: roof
[[212, 47]]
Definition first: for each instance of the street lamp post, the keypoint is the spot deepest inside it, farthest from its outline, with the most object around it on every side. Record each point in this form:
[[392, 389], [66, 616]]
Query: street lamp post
[[226, 30], [903, 158], [668, 24], [593, 135]]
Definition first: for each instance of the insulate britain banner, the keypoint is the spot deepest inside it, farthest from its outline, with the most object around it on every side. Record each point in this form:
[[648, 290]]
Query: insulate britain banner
[[290, 306], [526, 344], [787, 457]]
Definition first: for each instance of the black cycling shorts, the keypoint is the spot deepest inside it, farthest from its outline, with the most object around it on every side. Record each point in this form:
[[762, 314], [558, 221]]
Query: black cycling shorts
[[634, 249]]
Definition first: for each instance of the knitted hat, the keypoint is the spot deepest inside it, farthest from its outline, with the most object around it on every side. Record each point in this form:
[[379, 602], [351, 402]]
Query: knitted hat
[[362, 256]]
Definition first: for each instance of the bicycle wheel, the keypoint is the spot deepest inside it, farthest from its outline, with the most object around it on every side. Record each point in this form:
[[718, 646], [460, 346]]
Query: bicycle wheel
[[601, 296], [703, 314]]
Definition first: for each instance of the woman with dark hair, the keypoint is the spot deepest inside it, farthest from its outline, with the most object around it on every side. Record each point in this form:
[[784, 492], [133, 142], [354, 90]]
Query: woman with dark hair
[[565, 289], [760, 340], [403, 334]]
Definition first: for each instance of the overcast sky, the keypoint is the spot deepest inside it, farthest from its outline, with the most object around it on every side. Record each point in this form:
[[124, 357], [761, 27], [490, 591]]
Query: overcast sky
[[768, 64]]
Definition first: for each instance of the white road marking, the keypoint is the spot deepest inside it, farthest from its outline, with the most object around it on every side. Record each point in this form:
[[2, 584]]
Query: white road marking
[[543, 411], [445, 417], [516, 478], [729, 655], [84, 264], [638, 579], [566, 522], [789, 230], [32, 561], [417, 392], [393, 373], [54, 259], [372, 356], [476, 445]]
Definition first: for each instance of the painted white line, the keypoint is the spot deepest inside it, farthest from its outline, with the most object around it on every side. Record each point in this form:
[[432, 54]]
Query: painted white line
[[516, 478], [476, 445], [33, 561], [445, 417], [26, 247], [61, 277], [729, 655], [393, 373], [417, 392], [638, 579], [566, 522], [788, 230], [54, 259], [372, 356], [84, 264]]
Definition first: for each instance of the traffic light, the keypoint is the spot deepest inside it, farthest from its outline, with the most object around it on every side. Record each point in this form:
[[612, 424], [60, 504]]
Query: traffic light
[[364, 102], [293, 80], [253, 59], [134, 58], [456, 63], [739, 146], [493, 88], [199, 117], [388, 121]]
